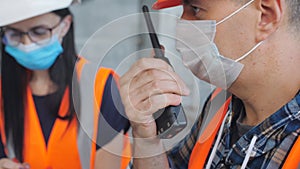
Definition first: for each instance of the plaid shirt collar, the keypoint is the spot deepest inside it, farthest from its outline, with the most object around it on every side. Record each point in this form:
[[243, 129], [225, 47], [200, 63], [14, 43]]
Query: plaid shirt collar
[[270, 134]]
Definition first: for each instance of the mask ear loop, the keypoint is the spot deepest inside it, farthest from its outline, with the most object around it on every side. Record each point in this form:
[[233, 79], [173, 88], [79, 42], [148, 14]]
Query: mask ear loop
[[235, 12], [232, 14], [250, 51]]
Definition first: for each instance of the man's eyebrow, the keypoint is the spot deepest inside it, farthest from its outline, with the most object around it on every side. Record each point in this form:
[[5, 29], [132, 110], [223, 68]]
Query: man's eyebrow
[[186, 1]]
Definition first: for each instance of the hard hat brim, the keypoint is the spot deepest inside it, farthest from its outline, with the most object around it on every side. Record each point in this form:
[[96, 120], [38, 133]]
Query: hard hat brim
[[161, 4]]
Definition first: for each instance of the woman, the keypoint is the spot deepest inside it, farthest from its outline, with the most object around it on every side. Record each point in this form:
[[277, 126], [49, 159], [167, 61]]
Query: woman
[[38, 120]]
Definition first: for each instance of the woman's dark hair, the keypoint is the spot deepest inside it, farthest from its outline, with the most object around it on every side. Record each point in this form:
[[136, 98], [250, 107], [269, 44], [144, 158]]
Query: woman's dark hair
[[15, 79]]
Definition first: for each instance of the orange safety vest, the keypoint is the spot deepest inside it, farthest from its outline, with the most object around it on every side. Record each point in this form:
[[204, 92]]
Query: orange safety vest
[[61, 151], [205, 141]]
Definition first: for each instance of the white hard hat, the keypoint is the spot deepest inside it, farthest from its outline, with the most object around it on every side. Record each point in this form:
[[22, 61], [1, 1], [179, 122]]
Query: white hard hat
[[12, 11]]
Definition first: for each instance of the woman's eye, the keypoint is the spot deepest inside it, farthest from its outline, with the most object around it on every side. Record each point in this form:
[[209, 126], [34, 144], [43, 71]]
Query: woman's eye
[[40, 31], [195, 9]]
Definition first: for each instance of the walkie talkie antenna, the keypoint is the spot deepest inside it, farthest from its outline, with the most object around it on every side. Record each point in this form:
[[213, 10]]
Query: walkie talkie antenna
[[154, 39], [170, 120]]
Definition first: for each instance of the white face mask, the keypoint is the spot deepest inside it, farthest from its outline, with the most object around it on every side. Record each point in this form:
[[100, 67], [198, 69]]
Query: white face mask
[[195, 42]]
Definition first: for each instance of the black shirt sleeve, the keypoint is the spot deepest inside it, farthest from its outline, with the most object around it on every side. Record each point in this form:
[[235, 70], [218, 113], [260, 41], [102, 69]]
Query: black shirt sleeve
[[112, 118]]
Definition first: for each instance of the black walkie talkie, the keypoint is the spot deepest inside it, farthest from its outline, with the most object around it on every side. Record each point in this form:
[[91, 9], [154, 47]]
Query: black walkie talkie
[[170, 120]]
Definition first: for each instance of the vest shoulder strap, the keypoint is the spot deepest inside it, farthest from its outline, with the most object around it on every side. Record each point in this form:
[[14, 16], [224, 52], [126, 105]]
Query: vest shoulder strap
[[87, 150], [206, 139], [219, 103], [293, 159], [90, 102]]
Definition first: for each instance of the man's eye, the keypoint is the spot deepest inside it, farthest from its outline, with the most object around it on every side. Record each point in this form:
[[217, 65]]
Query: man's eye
[[196, 9]]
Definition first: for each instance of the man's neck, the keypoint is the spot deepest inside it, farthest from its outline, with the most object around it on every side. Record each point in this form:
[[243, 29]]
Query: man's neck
[[262, 103], [270, 78]]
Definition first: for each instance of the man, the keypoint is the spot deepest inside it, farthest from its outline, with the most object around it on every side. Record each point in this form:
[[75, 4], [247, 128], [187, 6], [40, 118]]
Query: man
[[262, 124]]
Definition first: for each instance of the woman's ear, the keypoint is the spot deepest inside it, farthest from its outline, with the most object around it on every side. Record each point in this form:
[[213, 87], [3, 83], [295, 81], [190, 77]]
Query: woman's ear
[[66, 23], [270, 18]]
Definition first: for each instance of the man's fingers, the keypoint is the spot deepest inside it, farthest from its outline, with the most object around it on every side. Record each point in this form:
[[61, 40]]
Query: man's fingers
[[144, 110], [158, 87], [149, 85], [153, 77], [142, 65]]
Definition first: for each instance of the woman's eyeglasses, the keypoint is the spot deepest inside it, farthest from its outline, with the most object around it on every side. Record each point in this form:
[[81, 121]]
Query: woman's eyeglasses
[[40, 35]]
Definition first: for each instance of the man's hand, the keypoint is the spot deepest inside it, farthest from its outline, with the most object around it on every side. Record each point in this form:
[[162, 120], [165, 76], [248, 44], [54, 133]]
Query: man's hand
[[149, 85]]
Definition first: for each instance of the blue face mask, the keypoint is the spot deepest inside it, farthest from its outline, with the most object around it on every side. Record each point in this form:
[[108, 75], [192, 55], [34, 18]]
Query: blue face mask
[[36, 57]]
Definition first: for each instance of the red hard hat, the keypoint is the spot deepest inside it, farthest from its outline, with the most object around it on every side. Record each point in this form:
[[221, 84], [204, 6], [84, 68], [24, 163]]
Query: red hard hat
[[160, 4]]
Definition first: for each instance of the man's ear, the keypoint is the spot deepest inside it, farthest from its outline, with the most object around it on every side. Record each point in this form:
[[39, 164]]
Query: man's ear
[[270, 18], [66, 23]]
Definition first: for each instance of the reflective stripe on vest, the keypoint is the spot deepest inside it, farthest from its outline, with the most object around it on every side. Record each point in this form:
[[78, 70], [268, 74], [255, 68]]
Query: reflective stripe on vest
[[205, 141], [60, 151]]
